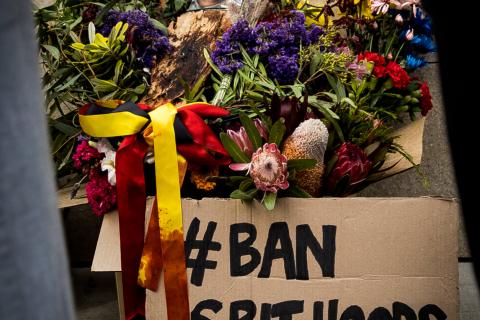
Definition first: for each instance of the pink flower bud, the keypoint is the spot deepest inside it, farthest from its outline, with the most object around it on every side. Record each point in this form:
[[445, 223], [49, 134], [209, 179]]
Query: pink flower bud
[[399, 19], [409, 35]]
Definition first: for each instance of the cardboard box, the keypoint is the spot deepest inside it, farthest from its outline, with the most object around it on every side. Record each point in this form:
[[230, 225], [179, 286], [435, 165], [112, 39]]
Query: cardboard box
[[373, 257]]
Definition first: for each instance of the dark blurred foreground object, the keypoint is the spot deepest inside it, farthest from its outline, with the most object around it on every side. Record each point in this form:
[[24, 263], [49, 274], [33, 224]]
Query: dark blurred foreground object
[[459, 86], [34, 280]]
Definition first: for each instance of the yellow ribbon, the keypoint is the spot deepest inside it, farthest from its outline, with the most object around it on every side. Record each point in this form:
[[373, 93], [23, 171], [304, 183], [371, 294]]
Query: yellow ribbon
[[167, 191], [170, 212]]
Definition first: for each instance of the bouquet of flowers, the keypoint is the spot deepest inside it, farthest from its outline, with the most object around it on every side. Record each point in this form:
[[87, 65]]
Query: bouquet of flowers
[[293, 99], [302, 99], [306, 100]]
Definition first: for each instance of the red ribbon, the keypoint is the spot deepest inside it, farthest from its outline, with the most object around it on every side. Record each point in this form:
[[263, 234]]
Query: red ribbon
[[131, 201], [206, 149]]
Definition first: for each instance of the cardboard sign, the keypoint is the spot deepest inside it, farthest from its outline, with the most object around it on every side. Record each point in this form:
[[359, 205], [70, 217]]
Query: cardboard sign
[[319, 259]]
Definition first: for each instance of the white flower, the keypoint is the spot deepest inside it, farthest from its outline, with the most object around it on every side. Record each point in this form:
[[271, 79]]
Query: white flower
[[413, 4], [107, 163], [382, 6], [399, 19], [103, 145]]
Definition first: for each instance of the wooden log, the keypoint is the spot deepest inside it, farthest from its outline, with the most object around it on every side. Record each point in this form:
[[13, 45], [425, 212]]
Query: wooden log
[[192, 32]]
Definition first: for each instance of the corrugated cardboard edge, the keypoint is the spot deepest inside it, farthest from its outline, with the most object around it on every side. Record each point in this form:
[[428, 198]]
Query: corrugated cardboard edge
[[410, 137], [107, 253], [64, 199]]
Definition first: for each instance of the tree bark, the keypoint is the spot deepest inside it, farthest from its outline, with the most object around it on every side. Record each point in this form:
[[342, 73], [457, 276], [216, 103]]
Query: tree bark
[[192, 32]]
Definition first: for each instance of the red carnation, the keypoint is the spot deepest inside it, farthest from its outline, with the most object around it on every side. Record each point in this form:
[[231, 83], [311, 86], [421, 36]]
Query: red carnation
[[378, 61], [101, 195], [379, 71], [426, 99], [372, 57], [400, 78]]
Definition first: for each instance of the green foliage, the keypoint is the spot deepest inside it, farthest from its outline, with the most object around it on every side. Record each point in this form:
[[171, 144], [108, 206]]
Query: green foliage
[[106, 66], [233, 150], [74, 76], [269, 200]]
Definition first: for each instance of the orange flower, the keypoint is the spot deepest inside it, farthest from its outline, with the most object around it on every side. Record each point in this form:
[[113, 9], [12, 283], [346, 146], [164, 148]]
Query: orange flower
[[199, 178]]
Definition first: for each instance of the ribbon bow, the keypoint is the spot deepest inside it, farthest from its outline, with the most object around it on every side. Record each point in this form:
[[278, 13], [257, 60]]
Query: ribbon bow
[[168, 129]]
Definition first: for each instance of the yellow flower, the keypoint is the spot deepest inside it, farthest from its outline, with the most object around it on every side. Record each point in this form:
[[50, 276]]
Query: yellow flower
[[315, 14], [199, 178]]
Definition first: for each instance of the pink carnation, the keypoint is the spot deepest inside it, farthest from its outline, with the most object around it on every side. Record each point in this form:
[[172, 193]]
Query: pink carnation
[[85, 155], [101, 195]]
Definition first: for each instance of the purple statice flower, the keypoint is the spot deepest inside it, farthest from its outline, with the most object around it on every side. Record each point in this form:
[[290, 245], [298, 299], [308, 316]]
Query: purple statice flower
[[148, 42], [283, 67], [227, 54], [278, 43], [111, 18], [314, 33]]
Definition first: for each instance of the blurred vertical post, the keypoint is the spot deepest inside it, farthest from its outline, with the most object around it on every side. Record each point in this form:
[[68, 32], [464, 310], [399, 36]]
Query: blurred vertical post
[[459, 86], [34, 278]]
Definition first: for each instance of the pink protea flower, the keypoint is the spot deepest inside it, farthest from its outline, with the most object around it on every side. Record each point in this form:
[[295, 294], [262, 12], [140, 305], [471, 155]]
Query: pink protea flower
[[352, 161], [268, 168], [241, 139]]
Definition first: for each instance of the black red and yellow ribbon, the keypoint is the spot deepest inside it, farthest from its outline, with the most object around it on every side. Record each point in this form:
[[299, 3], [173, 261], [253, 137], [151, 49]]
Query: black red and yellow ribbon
[[199, 145]]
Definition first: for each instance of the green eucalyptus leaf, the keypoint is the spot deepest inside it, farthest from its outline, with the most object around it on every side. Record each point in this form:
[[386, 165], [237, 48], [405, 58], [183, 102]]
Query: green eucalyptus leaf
[[349, 101], [341, 186], [297, 192], [239, 194], [100, 85], [246, 184], [75, 23], [157, 24], [206, 54], [69, 83], [67, 157], [233, 150], [65, 128], [251, 130], [52, 50], [269, 200], [314, 62], [197, 87], [91, 32], [118, 70], [277, 132], [330, 164]]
